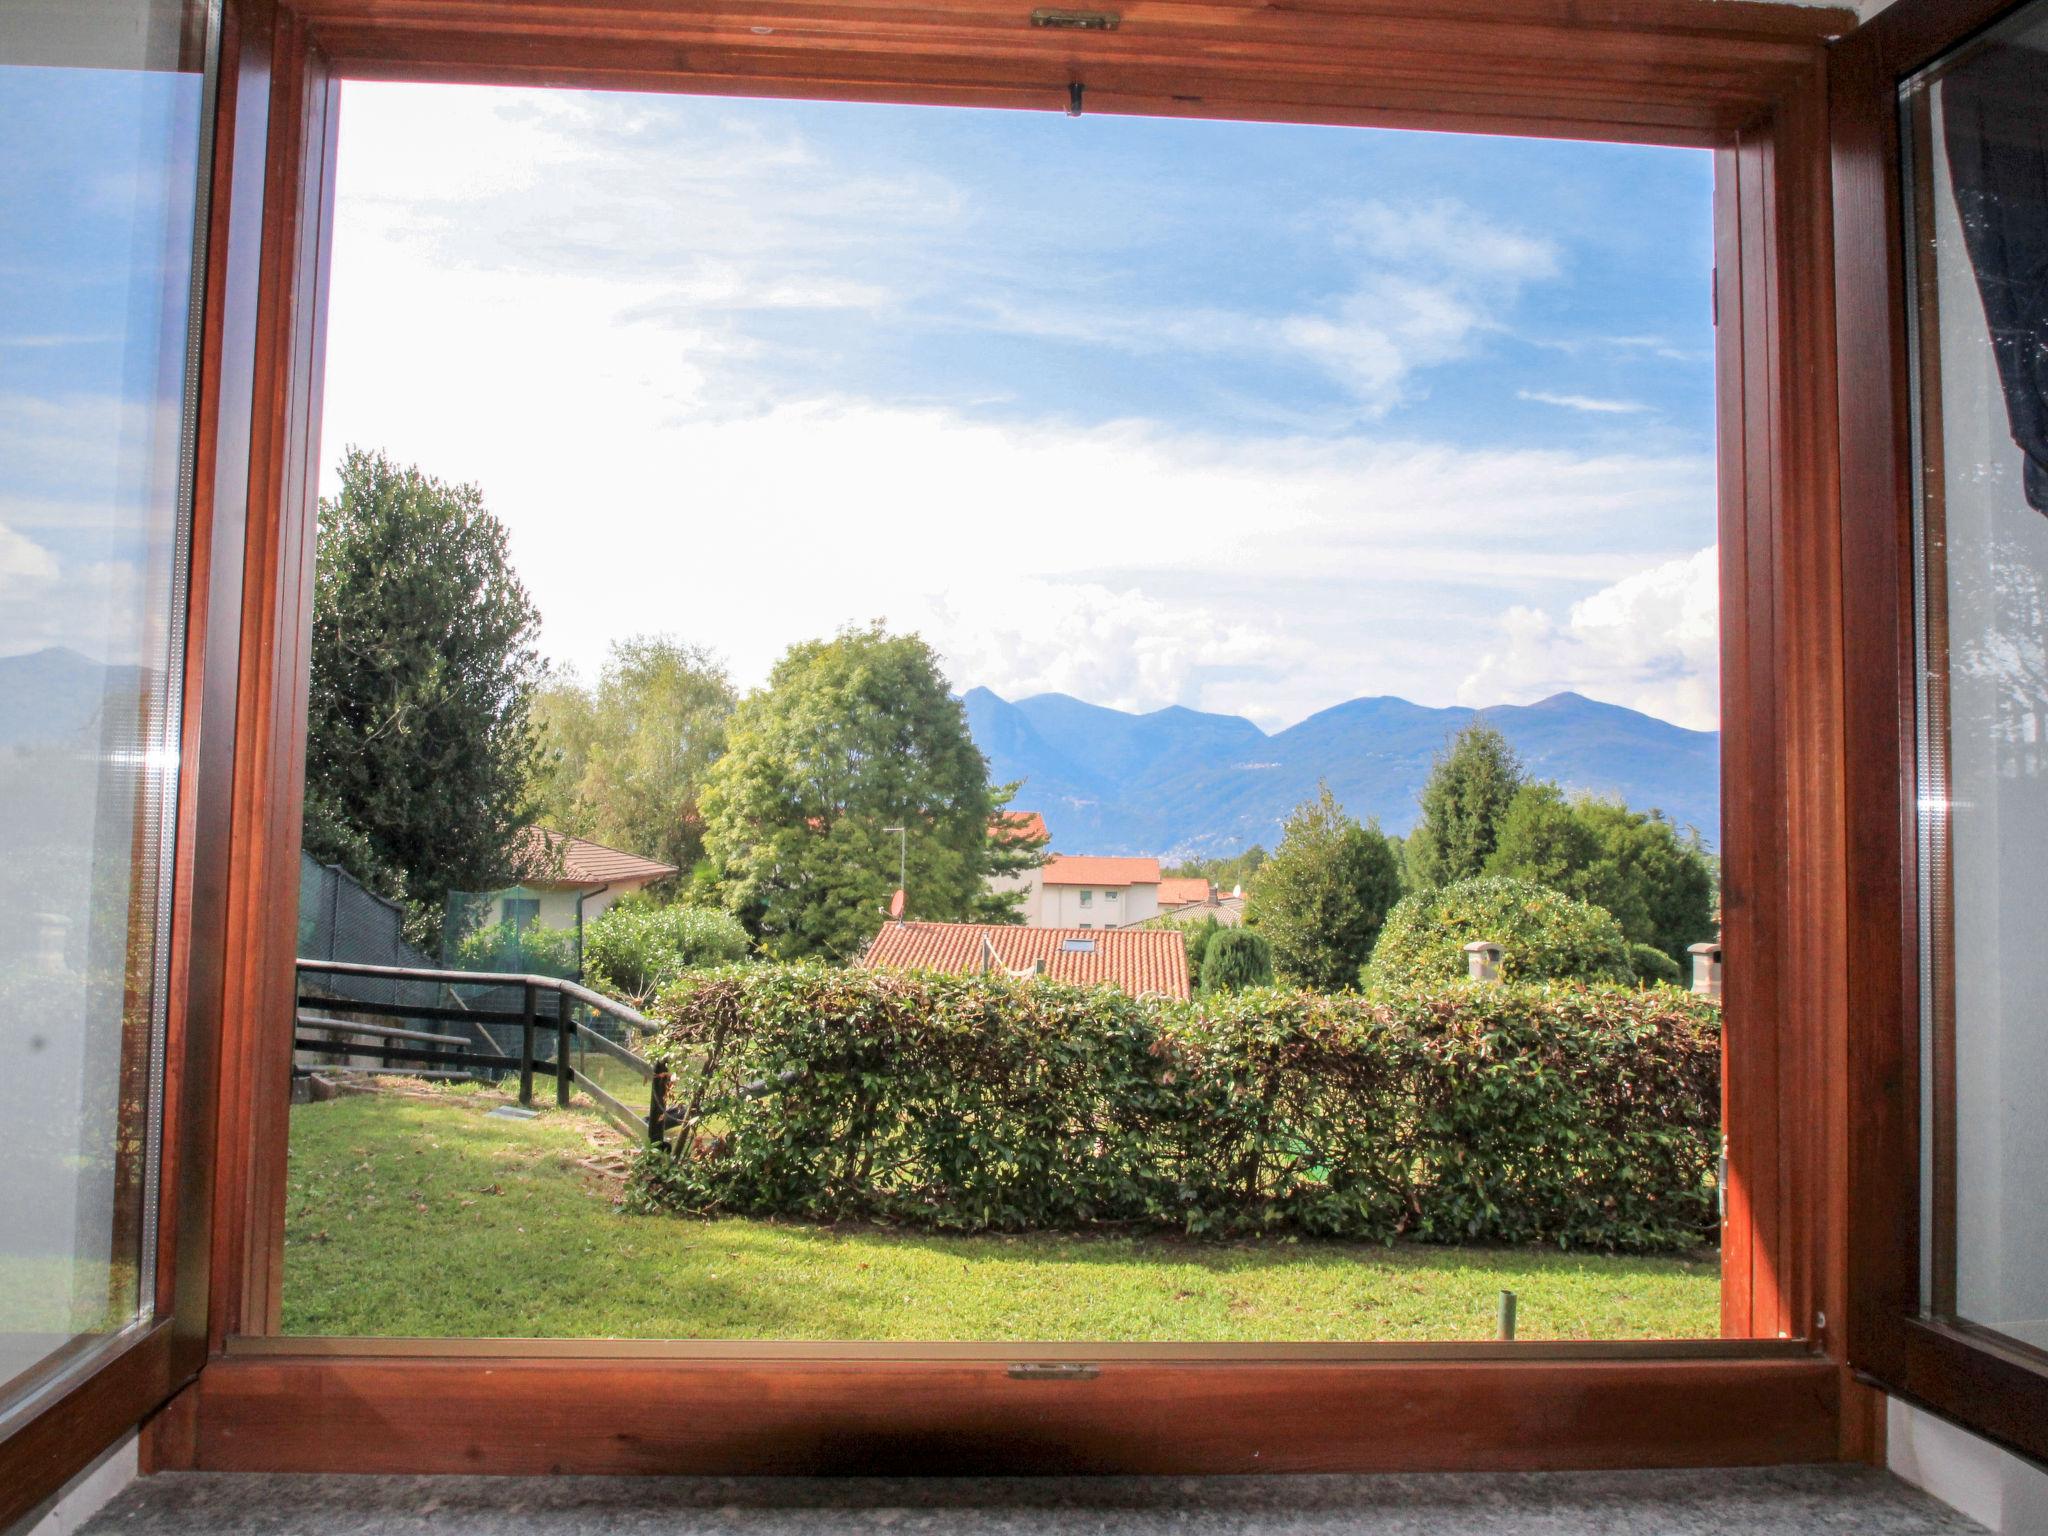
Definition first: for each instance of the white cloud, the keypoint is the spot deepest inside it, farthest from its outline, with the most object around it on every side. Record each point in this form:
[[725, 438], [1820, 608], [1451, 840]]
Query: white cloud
[[1451, 237], [1118, 647], [24, 564], [87, 488], [1431, 281], [1435, 278], [1650, 641], [1583, 403], [98, 608], [1272, 576]]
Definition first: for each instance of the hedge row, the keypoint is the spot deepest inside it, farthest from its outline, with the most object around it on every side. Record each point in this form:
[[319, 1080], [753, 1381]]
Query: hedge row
[[1582, 1116]]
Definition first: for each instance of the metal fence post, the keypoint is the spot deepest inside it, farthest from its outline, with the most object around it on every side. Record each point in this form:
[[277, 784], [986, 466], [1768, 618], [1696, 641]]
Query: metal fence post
[[565, 1026], [531, 1008]]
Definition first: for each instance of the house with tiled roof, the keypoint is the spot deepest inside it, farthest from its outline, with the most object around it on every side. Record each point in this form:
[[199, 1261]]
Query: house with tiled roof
[[1026, 827], [565, 881], [1191, 899], [1072, 890], [1140, 961], [1091, 891]]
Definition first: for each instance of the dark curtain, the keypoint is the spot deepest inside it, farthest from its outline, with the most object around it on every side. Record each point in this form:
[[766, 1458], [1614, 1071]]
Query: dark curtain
[[1995, 109]]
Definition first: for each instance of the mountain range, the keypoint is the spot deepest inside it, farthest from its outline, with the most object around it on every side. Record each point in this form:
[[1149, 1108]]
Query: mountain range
[[1175, 782], [56, 697], [1183, 784]]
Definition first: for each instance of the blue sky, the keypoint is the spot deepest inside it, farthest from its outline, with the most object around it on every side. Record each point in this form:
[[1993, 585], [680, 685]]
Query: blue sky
[[1245, 417], [95, 267]]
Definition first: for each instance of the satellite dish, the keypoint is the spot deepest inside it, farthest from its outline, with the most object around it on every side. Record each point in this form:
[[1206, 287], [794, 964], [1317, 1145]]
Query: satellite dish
[[896, 905]]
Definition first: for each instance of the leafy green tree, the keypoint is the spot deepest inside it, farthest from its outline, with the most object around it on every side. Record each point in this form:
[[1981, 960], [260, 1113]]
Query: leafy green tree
[[1543, 935], [626, 763], [565, 726], [419, 744], [1464, 802], [853, 736], [1658, 884], [1673, 874], [1320, 900], [1235, 959], [1544, 839], [1225, 874]]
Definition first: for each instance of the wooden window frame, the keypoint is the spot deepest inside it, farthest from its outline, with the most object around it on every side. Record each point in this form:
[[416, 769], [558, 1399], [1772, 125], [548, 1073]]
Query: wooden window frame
[[1750, 81], [165, 1352], [1898, 1336]]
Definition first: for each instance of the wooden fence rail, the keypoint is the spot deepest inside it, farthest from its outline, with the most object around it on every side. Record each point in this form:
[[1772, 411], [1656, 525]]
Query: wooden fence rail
[[326, 1024]]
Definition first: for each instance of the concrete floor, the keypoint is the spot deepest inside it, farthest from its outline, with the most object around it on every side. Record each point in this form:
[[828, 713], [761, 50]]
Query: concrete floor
[[1780, 1501]]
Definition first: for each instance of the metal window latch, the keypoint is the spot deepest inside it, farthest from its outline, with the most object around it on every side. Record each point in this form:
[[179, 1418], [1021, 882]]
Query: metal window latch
[[1055, 20], [1053, 1370]]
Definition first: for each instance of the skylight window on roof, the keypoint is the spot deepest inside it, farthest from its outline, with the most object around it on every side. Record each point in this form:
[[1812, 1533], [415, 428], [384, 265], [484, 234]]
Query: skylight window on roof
[[1079, 946]]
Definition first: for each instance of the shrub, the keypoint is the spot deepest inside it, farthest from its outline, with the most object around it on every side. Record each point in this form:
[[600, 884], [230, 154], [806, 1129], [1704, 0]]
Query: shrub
[[1517, 1113], [1653, 965], [636, 948], [1235, 959], [1543, 935], [1198, 936], [516, 950]]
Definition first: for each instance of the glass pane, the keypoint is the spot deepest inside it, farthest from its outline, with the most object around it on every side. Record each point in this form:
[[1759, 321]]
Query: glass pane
[[101, 109], [1977, 150]]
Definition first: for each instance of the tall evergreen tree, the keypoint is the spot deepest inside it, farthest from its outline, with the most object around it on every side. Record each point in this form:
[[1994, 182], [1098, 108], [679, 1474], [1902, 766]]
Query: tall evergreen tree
[[853, 736], [1463, 805], [419, 745], [1320, 899]]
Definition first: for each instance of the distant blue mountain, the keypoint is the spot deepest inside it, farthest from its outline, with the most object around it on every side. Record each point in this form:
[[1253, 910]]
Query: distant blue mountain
[[56, 697], [1182, 784]]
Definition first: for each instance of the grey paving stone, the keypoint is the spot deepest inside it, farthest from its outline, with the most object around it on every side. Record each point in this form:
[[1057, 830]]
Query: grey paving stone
[[1775, 1501]]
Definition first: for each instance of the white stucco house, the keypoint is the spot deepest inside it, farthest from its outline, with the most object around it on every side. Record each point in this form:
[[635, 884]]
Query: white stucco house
[[1088, 891], [570, 880]]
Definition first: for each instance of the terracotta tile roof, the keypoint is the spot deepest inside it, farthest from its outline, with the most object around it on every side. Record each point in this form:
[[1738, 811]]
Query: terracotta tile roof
[[1020, 826], [1083, 869], [1139, 960], [1176, 891], [555, 858]]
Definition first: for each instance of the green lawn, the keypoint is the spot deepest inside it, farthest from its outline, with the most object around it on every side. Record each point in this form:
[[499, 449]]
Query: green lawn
[[423, 1216]]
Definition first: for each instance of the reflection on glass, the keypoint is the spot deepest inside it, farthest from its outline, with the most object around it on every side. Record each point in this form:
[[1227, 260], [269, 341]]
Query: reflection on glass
[[100, 120], [1977, 140]]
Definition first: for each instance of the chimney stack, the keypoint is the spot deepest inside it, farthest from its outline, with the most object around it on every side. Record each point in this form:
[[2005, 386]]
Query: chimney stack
[[1482, 960], [1706, 970]]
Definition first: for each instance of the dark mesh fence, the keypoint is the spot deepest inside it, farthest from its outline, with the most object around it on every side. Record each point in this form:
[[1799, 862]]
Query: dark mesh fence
[[342, 919]]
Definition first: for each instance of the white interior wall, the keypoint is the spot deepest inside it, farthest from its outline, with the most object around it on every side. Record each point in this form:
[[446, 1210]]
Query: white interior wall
[[85, 1495], [1993, 1487]]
